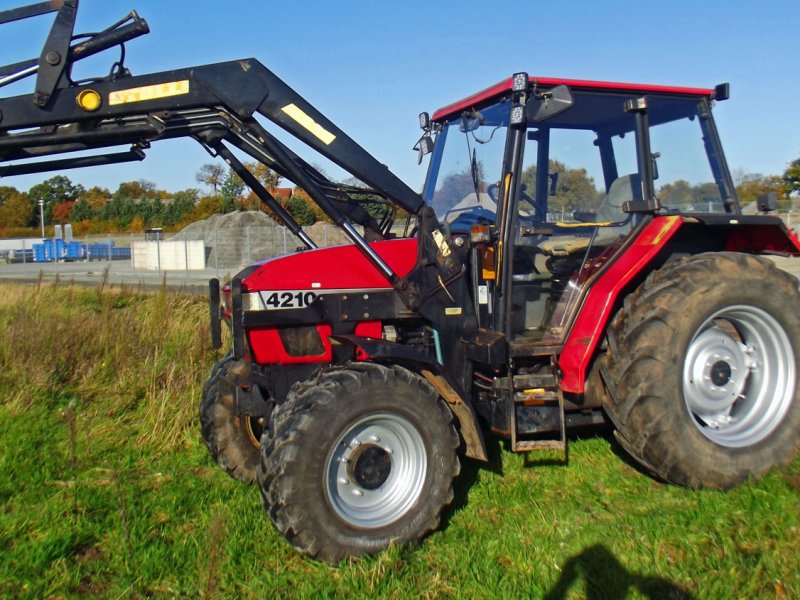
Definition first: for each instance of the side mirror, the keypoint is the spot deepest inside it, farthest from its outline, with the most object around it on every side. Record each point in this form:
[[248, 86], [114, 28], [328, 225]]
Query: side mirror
[[767, 202], [544, 105], [423, 146]]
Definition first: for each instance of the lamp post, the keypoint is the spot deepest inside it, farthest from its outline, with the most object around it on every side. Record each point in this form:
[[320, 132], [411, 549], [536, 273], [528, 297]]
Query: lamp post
[[41, 215]]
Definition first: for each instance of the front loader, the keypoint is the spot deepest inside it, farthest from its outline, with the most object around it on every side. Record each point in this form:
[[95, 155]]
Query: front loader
[[577, 257]]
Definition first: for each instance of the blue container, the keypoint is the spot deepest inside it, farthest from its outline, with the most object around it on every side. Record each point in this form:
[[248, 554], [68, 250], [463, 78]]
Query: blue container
[[75, 251]]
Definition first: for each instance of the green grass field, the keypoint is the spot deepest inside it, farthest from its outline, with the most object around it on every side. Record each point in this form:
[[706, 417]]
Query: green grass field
[[106, 490]]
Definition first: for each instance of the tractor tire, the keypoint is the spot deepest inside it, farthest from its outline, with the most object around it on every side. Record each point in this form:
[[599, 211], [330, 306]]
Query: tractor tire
[[359, 458], [232, 441], [701, 370]]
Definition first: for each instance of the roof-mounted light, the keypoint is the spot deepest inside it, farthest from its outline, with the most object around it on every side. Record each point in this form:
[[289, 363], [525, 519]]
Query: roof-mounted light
[[424, 121], [518, 114], [519, 82], [722, 91]]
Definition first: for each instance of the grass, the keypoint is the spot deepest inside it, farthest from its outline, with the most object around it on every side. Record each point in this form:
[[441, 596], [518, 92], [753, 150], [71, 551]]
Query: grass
[[107, 490]]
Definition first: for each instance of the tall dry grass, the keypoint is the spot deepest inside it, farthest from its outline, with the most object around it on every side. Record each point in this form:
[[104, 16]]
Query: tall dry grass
[[126, 357]]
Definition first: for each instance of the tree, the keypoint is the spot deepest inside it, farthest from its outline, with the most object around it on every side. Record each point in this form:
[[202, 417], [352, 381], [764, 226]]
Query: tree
[[51, 192], [753, 185], [96, 197], [266, 176], [575, 189], [300, 210], [82, 210], [677, 195], [62, 211], [211, 174], [179, 207], [207, 206], [791, 178], [16, 208], [141, 189], [231, 189]]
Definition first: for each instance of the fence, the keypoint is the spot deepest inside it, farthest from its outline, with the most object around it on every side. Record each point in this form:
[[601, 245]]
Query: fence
[[221, 251]]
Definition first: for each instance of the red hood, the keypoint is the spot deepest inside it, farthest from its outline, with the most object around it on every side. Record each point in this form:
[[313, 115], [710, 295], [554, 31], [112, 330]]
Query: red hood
[[335, 268]]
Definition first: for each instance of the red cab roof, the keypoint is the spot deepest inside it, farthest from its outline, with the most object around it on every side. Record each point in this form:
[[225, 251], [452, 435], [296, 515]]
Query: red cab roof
[[504, 86]]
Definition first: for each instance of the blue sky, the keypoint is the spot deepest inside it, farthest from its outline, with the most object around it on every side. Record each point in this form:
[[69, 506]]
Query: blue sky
[[373, 66]]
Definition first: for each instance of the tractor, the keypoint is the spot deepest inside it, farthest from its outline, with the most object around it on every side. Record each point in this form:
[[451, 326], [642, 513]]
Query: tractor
[[577, 258]]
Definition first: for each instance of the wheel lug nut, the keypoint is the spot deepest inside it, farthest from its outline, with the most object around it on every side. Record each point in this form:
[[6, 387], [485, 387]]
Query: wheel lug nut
[[375, 438], [358, 493], [343, 481]]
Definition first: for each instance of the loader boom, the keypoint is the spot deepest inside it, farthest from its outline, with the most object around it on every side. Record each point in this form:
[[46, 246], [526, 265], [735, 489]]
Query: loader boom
[[214, 104]]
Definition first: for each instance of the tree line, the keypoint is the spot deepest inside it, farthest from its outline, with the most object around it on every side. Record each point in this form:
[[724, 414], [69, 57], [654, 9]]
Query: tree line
[[137, 205]]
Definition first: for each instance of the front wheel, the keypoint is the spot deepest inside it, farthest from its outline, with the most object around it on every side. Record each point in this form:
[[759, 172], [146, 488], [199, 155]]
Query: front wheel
[[232, 439], [701, 370], [359, 458]]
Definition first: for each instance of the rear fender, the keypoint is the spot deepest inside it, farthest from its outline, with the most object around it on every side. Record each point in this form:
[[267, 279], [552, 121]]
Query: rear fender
[[662, 239]]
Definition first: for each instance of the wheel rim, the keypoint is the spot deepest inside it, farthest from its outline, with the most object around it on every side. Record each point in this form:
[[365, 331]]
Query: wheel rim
[[739, 376], [254, 428], [376, 471]]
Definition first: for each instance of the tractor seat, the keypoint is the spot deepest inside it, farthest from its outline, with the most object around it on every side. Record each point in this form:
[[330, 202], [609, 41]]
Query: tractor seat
[[624, 189]]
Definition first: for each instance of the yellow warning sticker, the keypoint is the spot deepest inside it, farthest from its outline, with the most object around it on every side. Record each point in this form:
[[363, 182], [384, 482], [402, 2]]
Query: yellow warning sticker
[[296, 113], [149, 92]]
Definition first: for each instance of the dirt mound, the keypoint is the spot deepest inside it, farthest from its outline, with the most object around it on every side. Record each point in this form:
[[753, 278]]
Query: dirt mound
[[235, 240]]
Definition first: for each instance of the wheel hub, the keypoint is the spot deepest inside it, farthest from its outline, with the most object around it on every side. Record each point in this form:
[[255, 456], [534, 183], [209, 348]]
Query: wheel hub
[[371, 467], [376, 471], [715, 373], [720, 373], [739, 376]]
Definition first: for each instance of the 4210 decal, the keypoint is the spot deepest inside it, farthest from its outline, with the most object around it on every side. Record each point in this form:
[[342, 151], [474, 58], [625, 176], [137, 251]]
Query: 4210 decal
[[295, 299]]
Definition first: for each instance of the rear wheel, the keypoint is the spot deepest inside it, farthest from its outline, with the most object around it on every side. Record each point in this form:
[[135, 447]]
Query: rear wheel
[[358, 458], [701, 370], [232, 440]]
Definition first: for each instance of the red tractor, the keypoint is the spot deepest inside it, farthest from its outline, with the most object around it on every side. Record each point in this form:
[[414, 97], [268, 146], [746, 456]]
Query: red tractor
[[577, 256]]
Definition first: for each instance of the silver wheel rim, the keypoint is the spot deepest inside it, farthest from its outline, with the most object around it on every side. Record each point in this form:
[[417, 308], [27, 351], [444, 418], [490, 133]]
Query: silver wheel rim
[[376, 471], [739, 376]]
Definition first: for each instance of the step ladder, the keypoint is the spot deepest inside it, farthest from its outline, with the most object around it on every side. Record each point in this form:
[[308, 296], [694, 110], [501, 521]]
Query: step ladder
[[542, 391]]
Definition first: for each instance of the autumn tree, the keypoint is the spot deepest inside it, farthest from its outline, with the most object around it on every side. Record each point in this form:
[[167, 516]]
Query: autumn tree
[[52, 191], [62, 211], [265, 176], [752, 185], [16, 208], [211, 174], [138, 190], [96, 197]]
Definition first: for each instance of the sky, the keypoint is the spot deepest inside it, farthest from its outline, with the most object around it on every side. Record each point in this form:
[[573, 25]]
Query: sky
[[372, 67]]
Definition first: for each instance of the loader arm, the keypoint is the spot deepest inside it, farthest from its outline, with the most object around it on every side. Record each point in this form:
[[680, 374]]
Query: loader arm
[[214, 104]]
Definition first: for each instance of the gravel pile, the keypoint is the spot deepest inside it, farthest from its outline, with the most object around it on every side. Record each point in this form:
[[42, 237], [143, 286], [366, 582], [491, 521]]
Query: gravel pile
[[236, 239]]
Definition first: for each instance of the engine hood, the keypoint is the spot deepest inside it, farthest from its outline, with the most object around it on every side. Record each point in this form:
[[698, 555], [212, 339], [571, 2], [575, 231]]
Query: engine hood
[[335, 268]]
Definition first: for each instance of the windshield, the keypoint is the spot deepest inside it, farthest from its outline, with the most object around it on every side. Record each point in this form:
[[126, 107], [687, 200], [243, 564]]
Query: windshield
[[588, 148], [466, 167]]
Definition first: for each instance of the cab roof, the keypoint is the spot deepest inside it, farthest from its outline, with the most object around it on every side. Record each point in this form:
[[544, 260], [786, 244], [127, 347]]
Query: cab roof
[[503, 87]]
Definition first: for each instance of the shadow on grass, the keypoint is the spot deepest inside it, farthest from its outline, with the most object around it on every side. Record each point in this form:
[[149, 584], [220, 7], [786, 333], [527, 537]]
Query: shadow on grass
[[604, 577]]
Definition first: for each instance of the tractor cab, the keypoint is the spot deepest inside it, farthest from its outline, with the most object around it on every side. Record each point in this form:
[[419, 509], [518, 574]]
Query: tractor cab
[[545, 179]]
